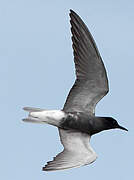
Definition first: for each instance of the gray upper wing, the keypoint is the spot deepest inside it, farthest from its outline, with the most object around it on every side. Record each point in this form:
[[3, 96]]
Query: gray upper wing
[[91, 79]]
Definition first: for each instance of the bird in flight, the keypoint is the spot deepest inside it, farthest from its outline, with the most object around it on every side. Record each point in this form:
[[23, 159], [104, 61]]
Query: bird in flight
[[77, 122]]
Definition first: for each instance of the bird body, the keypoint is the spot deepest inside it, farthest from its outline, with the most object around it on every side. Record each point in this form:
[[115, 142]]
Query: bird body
[[77, 122]]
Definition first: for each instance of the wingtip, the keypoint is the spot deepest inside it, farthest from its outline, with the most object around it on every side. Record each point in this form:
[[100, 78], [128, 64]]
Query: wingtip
[[47, 169], [72, 12], [43, 169]]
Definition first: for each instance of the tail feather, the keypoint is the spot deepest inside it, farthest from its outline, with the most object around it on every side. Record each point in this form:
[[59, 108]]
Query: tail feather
[[33, 120], [32, 109], [52, 117]]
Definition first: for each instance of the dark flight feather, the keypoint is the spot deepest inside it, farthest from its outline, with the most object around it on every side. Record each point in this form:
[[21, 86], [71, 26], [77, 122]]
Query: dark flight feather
[[91, 80]]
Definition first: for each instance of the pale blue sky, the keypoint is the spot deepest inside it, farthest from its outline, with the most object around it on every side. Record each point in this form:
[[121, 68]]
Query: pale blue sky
[[37, 70]]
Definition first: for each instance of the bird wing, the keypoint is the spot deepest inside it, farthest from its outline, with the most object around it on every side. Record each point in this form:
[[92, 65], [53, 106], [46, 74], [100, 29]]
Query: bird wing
[[77, 151], [91, 80]]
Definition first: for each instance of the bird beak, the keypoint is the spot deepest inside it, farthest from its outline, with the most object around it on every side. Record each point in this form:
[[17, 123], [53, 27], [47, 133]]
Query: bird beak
[[120, 127]]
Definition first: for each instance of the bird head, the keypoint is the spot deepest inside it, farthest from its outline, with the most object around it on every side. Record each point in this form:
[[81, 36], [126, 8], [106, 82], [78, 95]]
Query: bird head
[[111, 123]]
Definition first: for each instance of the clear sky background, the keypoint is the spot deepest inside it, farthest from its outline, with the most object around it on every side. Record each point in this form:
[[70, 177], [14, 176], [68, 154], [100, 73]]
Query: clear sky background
[[36, 69]]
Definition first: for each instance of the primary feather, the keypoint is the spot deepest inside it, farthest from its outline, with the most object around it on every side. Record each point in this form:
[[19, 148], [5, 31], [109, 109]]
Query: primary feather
[[91, 80], [77, 151]]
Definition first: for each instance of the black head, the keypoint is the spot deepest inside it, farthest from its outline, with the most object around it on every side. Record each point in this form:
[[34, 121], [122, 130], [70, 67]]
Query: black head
[[111, 123]]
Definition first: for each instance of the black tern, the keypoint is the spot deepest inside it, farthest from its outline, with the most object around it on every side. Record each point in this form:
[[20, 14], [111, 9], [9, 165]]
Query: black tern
[[77, 122]]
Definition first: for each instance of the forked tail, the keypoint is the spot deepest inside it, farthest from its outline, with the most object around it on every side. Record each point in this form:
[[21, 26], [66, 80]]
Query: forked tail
[[37, 115]]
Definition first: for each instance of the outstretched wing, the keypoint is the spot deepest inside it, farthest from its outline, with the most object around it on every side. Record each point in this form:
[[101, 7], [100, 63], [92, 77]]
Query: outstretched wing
[[91, 80], [77, 151]]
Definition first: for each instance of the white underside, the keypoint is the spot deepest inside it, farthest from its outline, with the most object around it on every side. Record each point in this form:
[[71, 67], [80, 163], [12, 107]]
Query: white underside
[[52, 117], [77, 150]]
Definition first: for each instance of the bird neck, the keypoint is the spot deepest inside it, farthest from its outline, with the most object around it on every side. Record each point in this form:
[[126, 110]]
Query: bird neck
[[98, 125]]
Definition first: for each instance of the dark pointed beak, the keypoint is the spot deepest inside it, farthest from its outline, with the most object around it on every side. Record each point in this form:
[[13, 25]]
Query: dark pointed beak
[[120, 127]]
